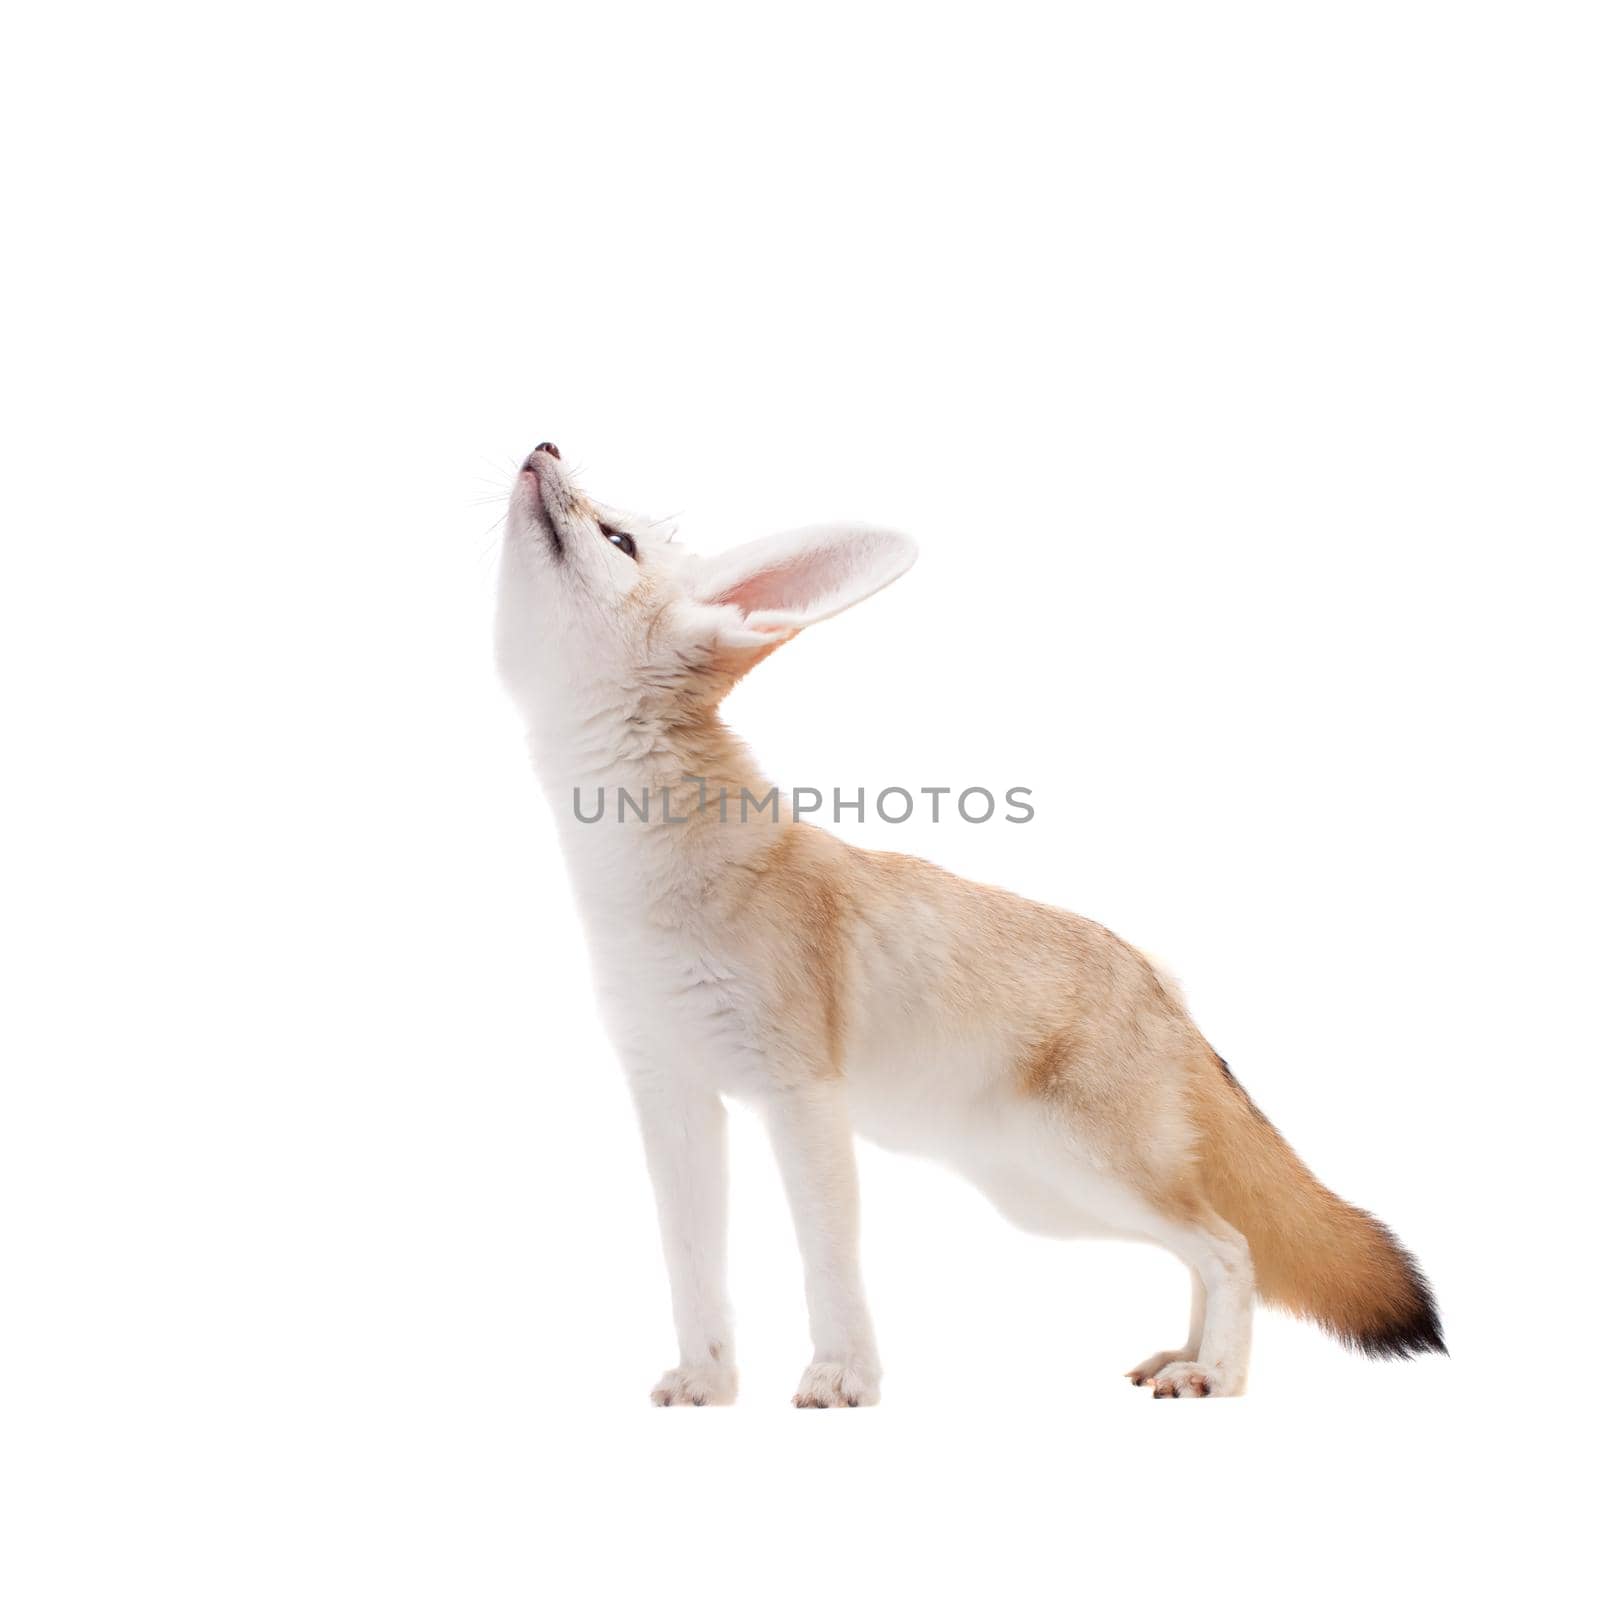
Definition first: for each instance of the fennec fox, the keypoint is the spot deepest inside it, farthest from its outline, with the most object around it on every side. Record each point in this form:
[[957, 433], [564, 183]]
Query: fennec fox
[[843, 989]]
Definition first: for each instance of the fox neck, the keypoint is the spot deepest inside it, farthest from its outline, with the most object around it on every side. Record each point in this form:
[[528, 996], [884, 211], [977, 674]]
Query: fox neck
[[652, 807]]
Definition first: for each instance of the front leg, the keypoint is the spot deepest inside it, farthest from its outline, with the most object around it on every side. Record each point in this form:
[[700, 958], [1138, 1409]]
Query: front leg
[[686, 1148], [810, 1129]]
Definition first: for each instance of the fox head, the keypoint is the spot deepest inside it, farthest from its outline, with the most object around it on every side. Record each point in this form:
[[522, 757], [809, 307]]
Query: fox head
[[604, 621]]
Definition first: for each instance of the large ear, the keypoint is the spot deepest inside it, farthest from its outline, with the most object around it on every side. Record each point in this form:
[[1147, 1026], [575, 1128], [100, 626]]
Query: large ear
[[779, 585]]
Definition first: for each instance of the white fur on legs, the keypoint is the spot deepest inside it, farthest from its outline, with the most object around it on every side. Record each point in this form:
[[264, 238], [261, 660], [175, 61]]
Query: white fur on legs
[[1147, 1369], [811, 1137], [1219, 1256], [685, 1141]]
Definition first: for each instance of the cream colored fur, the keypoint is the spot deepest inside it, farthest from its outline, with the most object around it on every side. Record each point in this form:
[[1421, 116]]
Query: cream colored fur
[[843, 990]]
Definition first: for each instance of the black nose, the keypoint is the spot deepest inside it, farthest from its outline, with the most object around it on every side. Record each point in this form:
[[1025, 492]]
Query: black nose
[[548, 448]]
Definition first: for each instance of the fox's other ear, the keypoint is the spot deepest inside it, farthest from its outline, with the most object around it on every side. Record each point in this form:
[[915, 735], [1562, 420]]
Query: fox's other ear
[[779, 585]]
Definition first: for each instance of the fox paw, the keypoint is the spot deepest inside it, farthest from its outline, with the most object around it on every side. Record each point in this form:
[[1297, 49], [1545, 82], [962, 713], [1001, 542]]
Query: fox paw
[[696, 1386], [835, 1383], [1188, 1380], [1146, 1370]]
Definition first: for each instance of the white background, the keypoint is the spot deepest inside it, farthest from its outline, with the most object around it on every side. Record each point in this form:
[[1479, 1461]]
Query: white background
[[1235, 368]]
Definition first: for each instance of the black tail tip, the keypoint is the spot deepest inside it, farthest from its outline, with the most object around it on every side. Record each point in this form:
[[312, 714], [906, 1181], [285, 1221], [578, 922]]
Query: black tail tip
[[1404, 1341], [1414, 1332]]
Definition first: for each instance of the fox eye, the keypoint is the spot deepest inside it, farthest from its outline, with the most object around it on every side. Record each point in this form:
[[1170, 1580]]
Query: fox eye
[[623, 541]]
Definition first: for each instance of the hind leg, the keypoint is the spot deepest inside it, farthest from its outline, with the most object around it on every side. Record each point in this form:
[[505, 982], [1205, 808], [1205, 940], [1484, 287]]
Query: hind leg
[[1220, 1260], [1147, 1369], [1115, 1194]]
